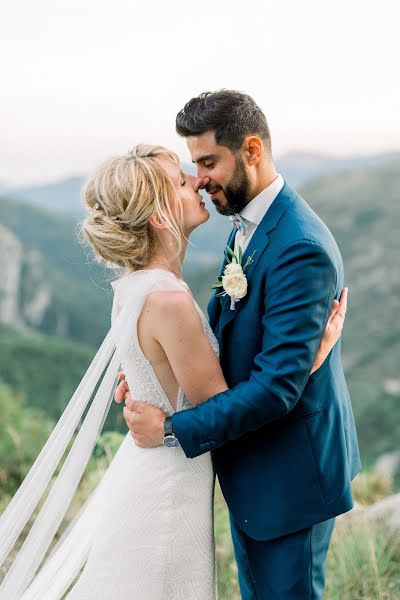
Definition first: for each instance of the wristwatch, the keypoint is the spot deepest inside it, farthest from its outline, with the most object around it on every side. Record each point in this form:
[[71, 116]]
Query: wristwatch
[[170, 439]]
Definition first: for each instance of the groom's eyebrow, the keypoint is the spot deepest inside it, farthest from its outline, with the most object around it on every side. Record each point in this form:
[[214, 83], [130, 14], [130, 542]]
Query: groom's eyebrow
[[204, 157]]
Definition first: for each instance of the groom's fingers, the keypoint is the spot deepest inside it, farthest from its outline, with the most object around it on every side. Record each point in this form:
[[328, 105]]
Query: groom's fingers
[[137, 406], [133, 419]]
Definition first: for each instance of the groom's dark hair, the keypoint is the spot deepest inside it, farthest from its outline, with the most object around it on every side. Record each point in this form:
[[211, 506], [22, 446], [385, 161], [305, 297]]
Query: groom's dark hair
[[230, 114]]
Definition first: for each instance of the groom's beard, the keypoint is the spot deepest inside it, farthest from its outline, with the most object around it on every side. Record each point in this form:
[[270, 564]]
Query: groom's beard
[[237, 192]]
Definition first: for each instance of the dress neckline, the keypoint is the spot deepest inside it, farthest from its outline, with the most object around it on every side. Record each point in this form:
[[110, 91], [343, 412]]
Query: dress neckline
[[127, 276]]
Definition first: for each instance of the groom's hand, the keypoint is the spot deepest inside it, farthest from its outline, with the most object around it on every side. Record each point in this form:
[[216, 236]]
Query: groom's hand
[[146, 423]]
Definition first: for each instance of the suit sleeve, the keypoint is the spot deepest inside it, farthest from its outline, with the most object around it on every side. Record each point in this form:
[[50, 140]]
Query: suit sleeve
[[299, 292]]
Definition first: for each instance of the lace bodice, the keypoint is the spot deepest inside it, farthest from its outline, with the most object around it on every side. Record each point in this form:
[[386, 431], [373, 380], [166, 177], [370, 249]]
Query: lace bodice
[[140, 375]]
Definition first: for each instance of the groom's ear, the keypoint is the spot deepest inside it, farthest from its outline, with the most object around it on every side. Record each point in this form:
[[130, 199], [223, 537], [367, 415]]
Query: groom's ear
[[253, 149]]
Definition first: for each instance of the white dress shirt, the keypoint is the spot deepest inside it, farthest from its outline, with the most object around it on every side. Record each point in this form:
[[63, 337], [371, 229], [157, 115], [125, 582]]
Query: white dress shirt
[[253, 213]]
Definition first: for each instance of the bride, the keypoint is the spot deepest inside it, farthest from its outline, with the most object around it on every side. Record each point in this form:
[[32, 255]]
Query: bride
[[146, 532]]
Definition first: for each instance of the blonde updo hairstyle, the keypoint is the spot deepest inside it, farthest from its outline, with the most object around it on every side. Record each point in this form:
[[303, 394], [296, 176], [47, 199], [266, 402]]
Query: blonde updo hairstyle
[[121, 197]]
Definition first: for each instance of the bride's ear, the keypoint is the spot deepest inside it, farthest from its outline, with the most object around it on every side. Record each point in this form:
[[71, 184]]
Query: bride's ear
[[156, 223]]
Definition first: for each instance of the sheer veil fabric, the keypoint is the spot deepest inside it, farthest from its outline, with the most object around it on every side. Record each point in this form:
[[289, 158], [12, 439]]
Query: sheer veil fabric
[[70, 553]]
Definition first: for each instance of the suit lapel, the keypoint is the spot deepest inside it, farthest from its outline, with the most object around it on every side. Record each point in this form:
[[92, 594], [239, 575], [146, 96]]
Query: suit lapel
[[214, 306], [230, 243], [258, 244]]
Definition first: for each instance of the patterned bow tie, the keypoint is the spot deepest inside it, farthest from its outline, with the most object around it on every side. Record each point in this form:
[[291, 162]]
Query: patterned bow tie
[[238, 223]]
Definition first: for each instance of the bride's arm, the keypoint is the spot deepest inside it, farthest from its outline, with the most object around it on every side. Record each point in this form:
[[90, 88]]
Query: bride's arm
[[177, 327]]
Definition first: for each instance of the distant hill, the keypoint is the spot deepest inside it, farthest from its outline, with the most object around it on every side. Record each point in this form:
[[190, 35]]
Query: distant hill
[[300, 167], [362, 208], [49, 283], [297, 167], [61, 196]]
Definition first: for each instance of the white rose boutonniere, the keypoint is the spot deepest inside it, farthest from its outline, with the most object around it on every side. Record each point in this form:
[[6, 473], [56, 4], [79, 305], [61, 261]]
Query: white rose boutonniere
[[234, 280]]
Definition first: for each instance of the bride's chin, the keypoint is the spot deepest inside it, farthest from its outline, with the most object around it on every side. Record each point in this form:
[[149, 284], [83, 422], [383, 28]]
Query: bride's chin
[[205, 217]]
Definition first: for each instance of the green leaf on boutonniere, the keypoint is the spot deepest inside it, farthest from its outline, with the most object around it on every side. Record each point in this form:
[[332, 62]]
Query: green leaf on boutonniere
[[231, 252], [216, 285], [220, 294], [228, 258], [240, 254], [249, 260]]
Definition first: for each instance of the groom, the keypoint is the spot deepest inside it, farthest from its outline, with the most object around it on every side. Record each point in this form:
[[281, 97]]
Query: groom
[[284, 442]]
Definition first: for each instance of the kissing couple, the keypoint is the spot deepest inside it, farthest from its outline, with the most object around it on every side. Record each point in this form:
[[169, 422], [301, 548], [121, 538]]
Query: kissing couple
[[255, 394]]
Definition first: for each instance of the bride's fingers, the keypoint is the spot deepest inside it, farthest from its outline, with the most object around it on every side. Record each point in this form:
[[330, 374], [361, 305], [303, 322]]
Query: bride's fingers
[[340, 315], [128, 400], [343, 303], [121, 376], [335, 306], [120, 392]]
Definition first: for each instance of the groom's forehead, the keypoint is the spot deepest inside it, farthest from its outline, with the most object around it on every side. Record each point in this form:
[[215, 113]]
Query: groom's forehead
[[203, 147]]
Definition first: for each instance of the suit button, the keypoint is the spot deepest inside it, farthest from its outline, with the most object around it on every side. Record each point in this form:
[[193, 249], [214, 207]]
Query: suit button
[[202, 446]]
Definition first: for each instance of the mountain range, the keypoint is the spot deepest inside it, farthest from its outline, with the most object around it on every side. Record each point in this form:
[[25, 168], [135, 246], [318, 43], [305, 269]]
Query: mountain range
[[296, 167]]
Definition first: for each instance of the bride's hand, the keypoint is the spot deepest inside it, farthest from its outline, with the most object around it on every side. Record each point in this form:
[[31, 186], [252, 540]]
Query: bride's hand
[[333, 329], [122, 391]]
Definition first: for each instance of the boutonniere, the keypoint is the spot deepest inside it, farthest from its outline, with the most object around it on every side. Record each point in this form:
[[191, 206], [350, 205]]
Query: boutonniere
[[234, 280]]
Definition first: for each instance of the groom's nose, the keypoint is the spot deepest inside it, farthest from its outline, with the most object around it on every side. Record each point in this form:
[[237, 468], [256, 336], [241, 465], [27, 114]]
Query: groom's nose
[[201, 183]]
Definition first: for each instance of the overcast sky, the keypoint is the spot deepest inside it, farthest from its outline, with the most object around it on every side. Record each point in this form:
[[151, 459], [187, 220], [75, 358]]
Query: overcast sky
[[83, 79]]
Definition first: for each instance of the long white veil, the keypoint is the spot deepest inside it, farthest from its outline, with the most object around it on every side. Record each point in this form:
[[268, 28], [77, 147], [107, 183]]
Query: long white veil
[[71, 551]]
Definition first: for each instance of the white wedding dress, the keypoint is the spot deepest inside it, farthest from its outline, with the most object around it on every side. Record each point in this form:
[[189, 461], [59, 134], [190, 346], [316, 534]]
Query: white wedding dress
[[146, 533], [154, 536]]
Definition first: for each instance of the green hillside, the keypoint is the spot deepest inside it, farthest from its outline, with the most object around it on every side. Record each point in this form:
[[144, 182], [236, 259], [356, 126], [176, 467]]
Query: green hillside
[[363, 211], [81, 295], [46, 372]]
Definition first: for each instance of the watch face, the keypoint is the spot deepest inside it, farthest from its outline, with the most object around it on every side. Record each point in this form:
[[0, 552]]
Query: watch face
[[171, 441]]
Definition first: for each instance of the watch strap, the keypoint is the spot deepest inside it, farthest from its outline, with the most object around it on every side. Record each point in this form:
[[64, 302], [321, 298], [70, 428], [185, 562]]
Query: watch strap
[[168, 427]]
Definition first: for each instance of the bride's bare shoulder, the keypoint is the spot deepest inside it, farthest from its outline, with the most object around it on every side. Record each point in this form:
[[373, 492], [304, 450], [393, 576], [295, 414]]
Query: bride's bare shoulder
[[169, 302], [169, 312]]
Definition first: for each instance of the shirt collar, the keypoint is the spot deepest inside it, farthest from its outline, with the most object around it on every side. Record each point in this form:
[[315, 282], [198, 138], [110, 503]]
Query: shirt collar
[[255, 210]]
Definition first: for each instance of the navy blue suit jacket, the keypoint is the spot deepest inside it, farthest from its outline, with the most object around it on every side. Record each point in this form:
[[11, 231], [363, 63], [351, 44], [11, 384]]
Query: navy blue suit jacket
[[284, 441]]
